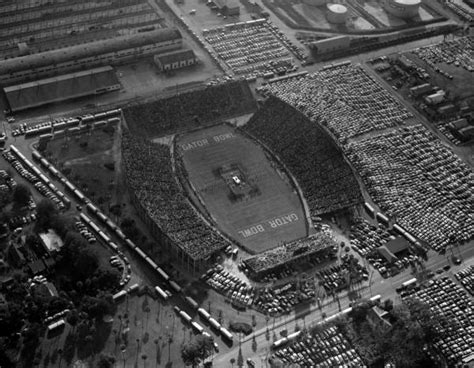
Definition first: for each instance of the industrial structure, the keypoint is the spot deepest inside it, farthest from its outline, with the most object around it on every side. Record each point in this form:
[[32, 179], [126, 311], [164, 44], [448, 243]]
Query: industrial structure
[[175, 59], [332, 44], [64, 87], [89, 55], [336, 13], [228, 7], [404, 9]]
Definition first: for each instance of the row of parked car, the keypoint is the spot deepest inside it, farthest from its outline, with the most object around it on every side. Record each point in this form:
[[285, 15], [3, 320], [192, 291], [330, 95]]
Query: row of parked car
[[84, 231], [466, 278], [454, 310], [237, 290], [324, 349]]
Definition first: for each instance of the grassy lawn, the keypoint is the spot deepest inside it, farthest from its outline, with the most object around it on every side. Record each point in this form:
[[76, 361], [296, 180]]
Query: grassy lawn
[[88, 161]]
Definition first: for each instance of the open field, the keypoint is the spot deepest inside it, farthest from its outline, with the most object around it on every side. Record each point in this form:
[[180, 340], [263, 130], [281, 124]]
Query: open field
[[265, 209], [88, 161]]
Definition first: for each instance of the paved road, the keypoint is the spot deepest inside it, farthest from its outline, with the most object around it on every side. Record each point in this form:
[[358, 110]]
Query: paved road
[[312, 314]]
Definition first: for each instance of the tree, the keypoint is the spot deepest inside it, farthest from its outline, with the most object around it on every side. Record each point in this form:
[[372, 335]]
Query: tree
[[106, 361], [21, 195], [232, 362], [197, 350], [45, 212]]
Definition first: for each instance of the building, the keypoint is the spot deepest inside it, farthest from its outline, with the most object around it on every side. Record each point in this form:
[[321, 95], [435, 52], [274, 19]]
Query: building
[[378, 317], [64, 87], [435, 98], [36, 267], [315, 2], [421, 89], [404, 9], [332, 44], [228, 7], [175, 60], [51, 241], [393, 247], [336, 13], [89, 55]]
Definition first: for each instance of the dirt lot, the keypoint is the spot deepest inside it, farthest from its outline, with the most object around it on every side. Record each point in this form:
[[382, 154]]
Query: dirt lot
[[268, 212]]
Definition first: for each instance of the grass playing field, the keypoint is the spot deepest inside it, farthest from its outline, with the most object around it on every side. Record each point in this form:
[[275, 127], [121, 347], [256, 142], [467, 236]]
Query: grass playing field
[[248, 198]]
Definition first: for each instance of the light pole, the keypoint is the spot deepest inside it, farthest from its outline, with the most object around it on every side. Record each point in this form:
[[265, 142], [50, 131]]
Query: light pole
[[123, 356]]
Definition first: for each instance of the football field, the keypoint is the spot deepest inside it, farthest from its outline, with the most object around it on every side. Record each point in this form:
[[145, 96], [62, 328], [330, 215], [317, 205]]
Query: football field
[[247, 197]]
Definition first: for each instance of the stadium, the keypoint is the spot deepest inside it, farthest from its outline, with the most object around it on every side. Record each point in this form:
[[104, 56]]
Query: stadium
[[215, 185]]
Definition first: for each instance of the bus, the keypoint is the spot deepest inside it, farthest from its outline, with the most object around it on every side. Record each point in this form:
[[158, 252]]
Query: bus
[[279, 343], [161, 293], [186, 317], [227, 335], [130, 243], [151, 263], [162, 273], [410, 283], [174, 285], [119, 295], [133, 288], [204, 315], [197, 327], [214, 324], [375, 298], [36, 156], [141, 253], [56, 326], [91, 208], [192, 302]]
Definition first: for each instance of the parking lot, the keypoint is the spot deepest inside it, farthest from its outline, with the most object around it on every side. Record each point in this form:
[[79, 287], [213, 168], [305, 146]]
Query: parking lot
[[323, 349], [254, 48], [455, 311]]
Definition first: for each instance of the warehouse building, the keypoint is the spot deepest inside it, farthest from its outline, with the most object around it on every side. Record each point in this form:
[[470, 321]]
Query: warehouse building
[[175, 60], [332, 44], [64, 87], [89, 55], [228, 7]]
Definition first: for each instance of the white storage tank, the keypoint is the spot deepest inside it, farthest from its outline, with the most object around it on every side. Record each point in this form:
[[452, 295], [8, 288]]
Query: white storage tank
[[336, 14]]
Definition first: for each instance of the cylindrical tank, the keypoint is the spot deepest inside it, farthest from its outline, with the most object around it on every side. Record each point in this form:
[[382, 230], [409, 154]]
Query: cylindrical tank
[[404, 9], [336, 13], [315, 2]]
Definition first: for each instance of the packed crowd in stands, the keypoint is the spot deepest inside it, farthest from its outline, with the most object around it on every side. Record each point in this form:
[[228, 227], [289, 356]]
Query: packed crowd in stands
[[149, 174], [309, 153], [344, 97], [319, 349], [454, 310], [408, 173], [466, 278], [250, 48], [459, 52], [288, 253], [190, 110], [418, 181]]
